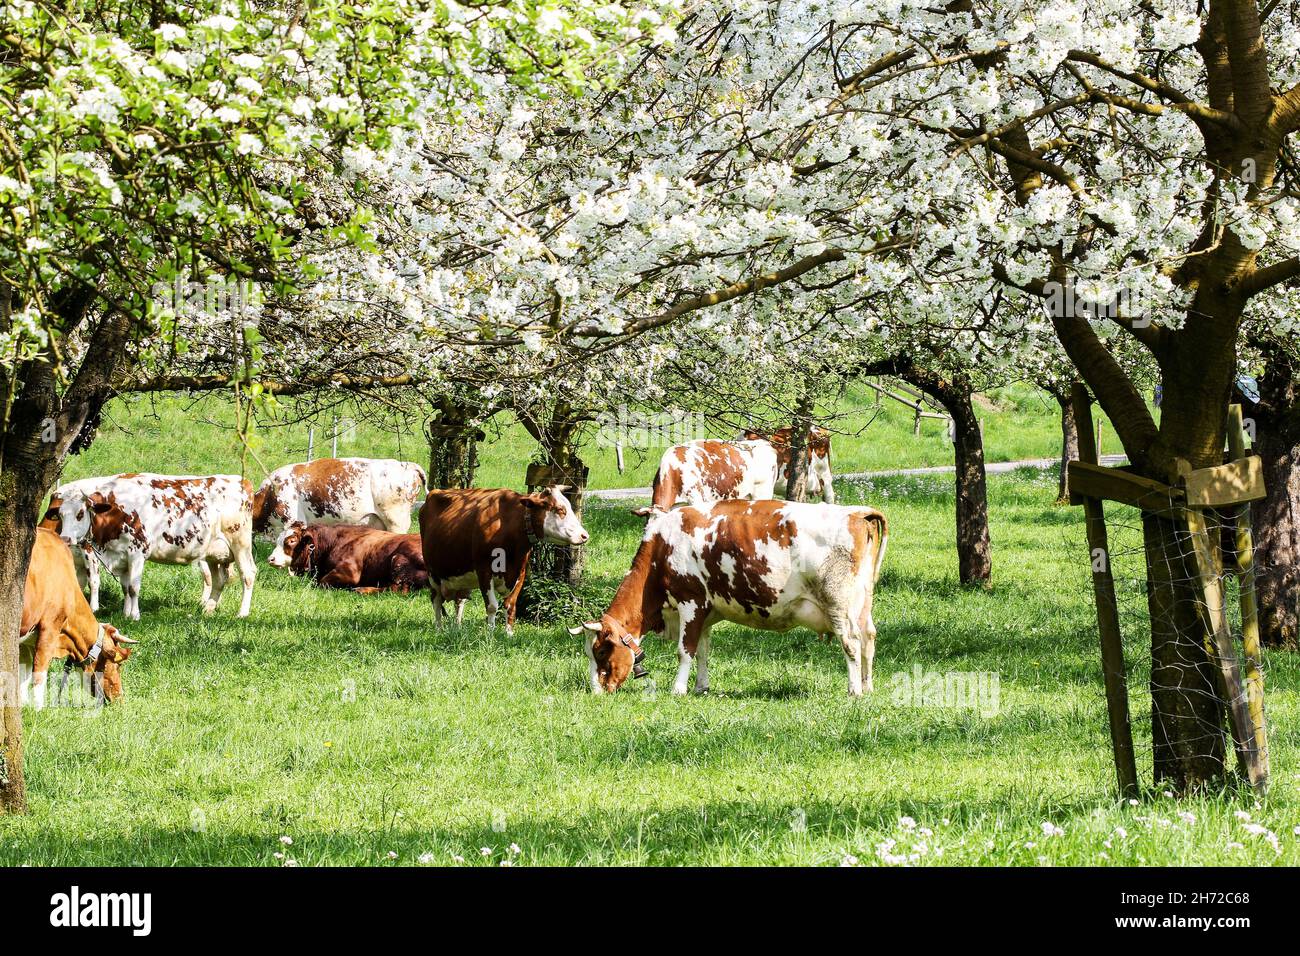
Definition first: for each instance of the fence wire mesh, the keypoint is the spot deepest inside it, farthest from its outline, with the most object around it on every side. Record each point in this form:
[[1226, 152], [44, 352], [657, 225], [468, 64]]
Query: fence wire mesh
[[1178, 597]]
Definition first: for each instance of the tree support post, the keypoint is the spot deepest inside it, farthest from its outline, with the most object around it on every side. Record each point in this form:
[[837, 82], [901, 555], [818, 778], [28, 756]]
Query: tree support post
[[1103, 586]]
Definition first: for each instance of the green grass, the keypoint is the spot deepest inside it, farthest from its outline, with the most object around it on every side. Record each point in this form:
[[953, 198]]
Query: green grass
[[348, 724], [187, 436]]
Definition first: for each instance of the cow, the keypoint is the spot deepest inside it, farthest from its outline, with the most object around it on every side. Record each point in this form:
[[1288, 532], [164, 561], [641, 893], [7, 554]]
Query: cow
[[377, 492], [83, 557], [817, 454], [771, 565], [709, 470], [357, 558], [166, 519], [484, 537], [57, 622]]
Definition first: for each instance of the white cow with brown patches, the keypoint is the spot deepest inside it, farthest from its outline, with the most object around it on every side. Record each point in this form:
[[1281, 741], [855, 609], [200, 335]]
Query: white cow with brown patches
[[769, 565], [375, 492], [166, 519], [702, 472], [83, 558]]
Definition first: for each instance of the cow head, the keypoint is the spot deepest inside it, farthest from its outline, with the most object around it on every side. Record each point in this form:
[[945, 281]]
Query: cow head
[[282, 556], [559, 522], [116, 649], [301, 549], [615, 653], [77, 517]]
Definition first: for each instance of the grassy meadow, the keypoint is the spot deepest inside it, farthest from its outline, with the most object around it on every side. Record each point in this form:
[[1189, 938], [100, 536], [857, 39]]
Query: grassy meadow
[[347, 725]]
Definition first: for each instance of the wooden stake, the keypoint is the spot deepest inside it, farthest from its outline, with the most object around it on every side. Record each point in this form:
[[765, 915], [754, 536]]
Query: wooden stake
[[1103, 586], [1245, 568]]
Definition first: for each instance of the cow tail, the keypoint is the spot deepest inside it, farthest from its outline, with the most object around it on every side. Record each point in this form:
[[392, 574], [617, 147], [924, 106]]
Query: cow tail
[[884, 542], [667, 488]]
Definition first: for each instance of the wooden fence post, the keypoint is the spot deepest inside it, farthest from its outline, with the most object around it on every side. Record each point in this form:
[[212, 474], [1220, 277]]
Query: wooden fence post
[[1103, 585], [1245, 568]]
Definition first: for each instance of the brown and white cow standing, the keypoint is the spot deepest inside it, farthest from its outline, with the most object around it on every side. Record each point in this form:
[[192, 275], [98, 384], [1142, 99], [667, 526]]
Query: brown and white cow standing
[[769, 565], [166, 519], [709, 470], [57, 622], [484, 536], [817, 454], [356, 558], [376, 492]]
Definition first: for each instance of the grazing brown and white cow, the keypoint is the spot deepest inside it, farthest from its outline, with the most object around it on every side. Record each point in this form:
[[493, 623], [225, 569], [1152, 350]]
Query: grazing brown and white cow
[[817, 453], [357, 558], [483, 537], [57, 623], [701, 472], [134, 518], [376, 492], [771, 565], [83, 557]]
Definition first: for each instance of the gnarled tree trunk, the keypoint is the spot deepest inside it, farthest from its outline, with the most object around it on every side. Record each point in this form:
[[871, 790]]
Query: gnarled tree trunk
[[796, 470], [453, 447], [974, 545], [1276, 519], [41, 428]]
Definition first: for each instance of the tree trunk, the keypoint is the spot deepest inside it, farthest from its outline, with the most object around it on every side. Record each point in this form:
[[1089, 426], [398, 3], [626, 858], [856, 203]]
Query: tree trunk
[[796, 470], [42, 429], [20, 499], [1187, 710], [1276, 519], [1069, 445], [974, 547], [453, 446], [974, 558], [559, 464]]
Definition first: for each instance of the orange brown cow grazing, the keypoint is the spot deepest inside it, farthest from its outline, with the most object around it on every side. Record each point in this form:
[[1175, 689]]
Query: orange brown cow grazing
[[770, 565], [484, 536], [357, 558], [57, 622]]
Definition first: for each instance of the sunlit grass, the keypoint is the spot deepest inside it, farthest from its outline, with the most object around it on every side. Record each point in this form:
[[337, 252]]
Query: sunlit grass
[[349, 725]]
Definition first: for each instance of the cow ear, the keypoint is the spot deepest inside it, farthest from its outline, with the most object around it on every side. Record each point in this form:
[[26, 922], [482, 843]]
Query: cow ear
[[648, 512], [536, 500], [98, 503]]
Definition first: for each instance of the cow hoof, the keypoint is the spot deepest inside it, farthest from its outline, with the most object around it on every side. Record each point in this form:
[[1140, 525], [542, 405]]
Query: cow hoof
[[701, 691], [209, 607], [679, 691]]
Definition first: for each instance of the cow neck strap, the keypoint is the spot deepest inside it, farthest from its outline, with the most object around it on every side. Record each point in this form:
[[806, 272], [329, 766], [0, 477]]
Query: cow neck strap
[[534, 539], [92, 656]]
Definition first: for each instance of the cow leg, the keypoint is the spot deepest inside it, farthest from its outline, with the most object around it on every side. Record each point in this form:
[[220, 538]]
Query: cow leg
[[692, 626], [852, 645], [487, 586], [220, 574], [702, 662], [40, 670], [461, 600], [868, 631], [25, 672], [247, 562], [206, 568], [87, 565], [512, 599], [436, 599], [130, 580]]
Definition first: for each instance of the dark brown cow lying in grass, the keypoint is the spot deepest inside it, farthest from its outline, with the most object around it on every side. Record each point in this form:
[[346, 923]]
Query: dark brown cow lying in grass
[[355, 557]]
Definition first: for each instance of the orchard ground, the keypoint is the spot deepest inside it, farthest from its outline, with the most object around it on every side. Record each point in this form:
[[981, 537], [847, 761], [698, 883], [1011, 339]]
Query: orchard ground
[[350, 726]]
